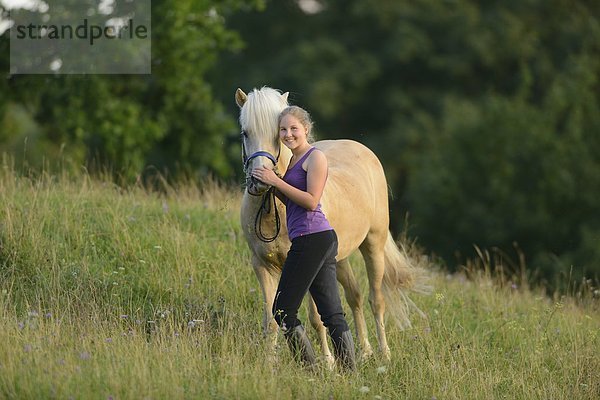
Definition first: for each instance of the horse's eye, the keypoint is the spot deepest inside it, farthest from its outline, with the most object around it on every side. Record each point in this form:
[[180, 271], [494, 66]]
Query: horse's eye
[[244, 134]]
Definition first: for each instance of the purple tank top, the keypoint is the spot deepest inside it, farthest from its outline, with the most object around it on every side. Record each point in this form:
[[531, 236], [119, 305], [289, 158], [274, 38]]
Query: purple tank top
[[301, 221]]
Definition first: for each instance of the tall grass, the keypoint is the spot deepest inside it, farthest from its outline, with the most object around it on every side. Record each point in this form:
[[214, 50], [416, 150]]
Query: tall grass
[[108, 292]]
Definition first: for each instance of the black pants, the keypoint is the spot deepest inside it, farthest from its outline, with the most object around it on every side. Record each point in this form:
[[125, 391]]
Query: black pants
[[310, 265]]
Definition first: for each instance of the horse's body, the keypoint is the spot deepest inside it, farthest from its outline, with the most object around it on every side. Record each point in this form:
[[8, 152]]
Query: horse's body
[[355, 201]]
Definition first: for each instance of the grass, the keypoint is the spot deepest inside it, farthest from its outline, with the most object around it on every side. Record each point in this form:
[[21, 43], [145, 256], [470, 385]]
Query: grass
[[119, 293]]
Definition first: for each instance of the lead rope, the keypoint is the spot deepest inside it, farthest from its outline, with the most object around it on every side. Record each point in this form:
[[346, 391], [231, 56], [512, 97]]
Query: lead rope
[[265, 206]]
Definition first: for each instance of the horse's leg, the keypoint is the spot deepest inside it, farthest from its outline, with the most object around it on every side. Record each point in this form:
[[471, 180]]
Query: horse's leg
[[268, 284], [317, 324], [352, 292], [373, 253]]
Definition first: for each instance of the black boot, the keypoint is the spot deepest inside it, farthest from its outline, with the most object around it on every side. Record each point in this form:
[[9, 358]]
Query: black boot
[[300, 346], [343, 347]]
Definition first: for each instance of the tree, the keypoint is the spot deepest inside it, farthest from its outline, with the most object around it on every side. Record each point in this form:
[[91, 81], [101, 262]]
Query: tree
[[485, 114], [169, 119]]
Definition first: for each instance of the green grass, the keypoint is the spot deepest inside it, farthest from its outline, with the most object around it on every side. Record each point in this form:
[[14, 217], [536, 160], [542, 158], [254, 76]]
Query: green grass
[[120, 293]]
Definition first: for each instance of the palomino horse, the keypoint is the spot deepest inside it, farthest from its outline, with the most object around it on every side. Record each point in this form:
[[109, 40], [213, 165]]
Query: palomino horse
[[355, 201]]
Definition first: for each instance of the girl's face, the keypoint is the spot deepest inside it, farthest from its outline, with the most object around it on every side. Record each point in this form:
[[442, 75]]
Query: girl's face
[[292, 133]]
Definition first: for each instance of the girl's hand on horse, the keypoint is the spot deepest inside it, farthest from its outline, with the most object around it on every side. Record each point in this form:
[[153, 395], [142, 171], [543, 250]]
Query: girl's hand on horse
[[265, 175]]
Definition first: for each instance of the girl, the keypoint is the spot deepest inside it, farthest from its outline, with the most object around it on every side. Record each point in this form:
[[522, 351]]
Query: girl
[[310, 264]]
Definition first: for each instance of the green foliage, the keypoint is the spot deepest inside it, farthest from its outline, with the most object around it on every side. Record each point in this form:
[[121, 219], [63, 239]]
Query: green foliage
[[485, 114], [169, 119]]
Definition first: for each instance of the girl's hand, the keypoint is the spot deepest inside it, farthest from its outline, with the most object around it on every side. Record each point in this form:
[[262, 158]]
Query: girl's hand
[[265, 175]]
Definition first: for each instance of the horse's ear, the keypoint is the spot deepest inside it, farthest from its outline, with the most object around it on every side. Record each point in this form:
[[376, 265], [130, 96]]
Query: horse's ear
[[285, 96], [240, 97]]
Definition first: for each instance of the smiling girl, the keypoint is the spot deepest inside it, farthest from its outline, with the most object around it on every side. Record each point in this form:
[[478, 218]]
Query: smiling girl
[[310, 264]]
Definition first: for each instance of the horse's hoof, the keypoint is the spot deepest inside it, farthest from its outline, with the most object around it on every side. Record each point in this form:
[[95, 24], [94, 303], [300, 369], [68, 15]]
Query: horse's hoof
[[366, 353], [387, 354], [329, 361]]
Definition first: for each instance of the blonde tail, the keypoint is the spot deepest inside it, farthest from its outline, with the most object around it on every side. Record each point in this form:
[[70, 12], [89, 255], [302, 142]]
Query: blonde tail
[[402, 276]]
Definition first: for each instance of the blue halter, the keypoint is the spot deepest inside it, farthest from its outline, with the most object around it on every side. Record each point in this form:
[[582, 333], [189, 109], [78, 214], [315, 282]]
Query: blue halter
[[260, 153]]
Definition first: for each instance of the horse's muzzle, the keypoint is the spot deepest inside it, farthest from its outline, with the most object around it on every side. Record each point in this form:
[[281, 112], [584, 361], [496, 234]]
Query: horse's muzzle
[[255, 186]]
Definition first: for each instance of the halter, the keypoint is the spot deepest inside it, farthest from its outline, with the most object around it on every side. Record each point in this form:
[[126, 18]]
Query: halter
[[261, 153], [265, 206]]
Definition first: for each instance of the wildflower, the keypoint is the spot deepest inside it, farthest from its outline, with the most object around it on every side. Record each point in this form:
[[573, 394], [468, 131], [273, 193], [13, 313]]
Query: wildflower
[[364, 389], [84, 355], [381, 370], [124, 316], [514, 286], [48, 315], [27, 348], [558, 305], [157, 247], [32, 314], [439, 297], [21, 325]]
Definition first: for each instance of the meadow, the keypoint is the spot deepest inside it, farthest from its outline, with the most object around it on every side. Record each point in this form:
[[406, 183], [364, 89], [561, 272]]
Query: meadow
[[112, 292]]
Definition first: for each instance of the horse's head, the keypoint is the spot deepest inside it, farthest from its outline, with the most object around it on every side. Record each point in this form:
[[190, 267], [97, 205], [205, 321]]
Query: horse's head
[[259, 111]]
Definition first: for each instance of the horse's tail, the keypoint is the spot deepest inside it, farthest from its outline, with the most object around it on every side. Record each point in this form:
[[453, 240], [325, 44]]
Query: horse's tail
[[402, 275]]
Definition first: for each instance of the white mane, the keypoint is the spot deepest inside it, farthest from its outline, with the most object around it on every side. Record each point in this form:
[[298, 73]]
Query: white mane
[[259, 114]]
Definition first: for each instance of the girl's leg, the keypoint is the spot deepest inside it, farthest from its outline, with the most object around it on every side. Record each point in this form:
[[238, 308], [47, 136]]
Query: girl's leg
[[303, 261], [302, 264], [325, 293]]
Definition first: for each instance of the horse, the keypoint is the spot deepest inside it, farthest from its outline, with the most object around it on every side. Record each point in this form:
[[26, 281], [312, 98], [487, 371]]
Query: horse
[[355, 201]]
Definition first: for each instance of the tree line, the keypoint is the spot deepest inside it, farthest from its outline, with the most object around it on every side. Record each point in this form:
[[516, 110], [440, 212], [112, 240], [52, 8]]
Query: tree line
[[485, 114]]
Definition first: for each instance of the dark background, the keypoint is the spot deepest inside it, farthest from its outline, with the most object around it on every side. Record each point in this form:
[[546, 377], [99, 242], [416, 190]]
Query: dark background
[[485, 114]]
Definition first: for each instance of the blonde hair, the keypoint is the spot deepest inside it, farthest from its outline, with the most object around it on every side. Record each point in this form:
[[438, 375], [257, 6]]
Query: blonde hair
[[301, 115]]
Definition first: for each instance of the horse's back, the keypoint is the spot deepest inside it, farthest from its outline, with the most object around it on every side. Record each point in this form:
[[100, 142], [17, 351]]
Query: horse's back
[[355, 197]]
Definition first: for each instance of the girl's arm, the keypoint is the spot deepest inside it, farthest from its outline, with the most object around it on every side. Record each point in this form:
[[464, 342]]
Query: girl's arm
[[316, 176]]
